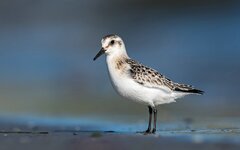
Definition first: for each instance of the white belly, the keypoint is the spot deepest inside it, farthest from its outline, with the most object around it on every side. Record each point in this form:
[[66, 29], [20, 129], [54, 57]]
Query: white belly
[[128, 88]]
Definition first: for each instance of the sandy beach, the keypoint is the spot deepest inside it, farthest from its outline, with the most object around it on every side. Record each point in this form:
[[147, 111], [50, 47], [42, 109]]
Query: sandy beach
[[16, 135]]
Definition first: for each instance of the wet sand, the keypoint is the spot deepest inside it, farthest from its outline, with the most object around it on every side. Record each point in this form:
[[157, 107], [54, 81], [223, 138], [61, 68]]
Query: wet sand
[[101, 140], [15, 135]]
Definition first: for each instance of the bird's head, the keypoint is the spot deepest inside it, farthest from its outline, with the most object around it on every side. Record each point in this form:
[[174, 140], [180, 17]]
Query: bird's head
[[111, 45]]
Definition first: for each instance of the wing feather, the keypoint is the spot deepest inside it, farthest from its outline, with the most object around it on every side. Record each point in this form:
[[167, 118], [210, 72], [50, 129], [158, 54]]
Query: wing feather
[[151, 78]]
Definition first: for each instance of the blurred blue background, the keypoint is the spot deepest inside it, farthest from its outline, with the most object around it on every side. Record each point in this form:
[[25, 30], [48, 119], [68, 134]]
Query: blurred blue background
[[47, 47]]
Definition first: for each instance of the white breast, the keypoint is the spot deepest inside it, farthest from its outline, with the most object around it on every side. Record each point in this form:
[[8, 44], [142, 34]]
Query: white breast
[[128, 88]]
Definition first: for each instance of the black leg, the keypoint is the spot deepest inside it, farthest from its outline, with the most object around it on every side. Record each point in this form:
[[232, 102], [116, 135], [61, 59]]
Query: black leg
[[150, 120], [155, 120]]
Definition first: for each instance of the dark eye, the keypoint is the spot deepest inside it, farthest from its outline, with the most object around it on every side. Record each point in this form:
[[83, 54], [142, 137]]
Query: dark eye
[[112, 42]]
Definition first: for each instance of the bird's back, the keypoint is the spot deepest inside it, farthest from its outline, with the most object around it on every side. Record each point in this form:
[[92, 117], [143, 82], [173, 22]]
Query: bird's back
[[151, 78]]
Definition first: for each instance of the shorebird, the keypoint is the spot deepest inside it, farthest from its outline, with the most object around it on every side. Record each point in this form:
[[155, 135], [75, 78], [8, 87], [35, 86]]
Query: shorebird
[[137, 82]]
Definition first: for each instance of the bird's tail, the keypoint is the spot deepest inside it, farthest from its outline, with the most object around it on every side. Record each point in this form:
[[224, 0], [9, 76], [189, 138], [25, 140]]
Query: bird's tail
[[188, 89]]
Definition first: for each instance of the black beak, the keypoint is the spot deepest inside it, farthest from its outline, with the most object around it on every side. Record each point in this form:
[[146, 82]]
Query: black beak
[[102, 51]]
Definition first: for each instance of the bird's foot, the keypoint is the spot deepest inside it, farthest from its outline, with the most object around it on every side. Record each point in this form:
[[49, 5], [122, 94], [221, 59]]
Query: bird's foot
[[154, 131], [148, 131]]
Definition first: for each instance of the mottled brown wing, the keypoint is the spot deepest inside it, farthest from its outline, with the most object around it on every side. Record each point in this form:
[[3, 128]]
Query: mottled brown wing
[[151, 78]]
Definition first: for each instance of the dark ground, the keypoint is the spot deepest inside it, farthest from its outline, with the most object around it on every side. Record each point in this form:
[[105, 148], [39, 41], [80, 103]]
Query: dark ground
[[18, 135], [101, 140]]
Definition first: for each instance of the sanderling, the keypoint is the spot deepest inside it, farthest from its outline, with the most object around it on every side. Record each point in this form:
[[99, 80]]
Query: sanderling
[[137, 82]]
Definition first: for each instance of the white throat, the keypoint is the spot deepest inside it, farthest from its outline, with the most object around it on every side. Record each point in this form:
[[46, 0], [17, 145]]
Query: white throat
[[117, 53]]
